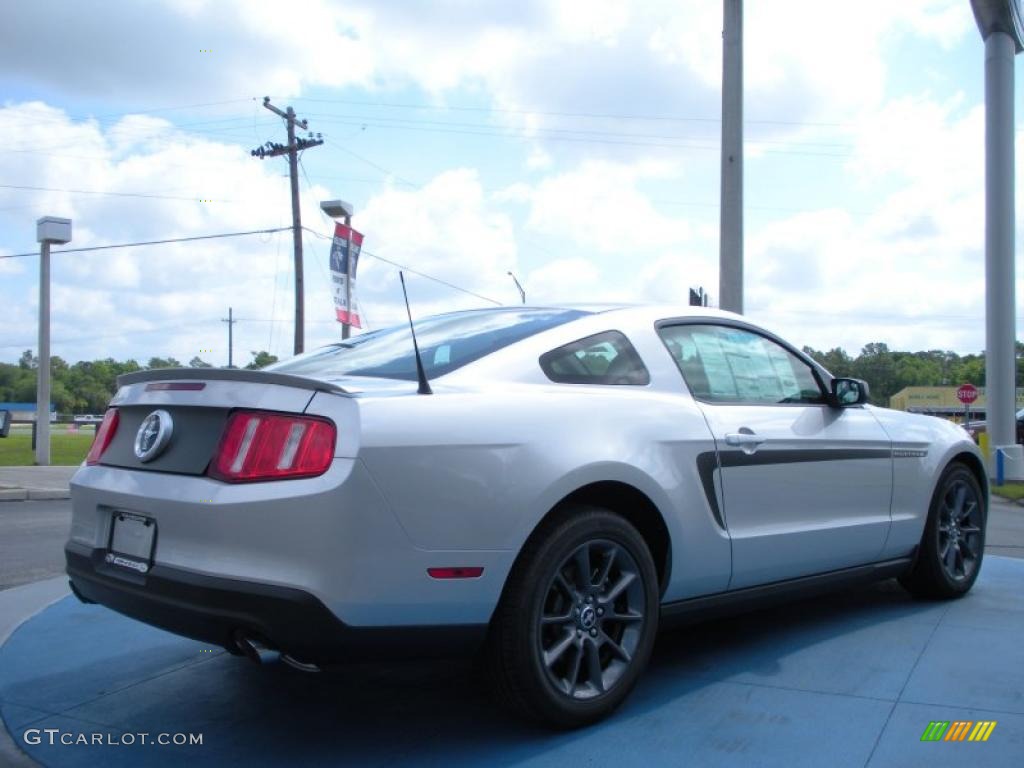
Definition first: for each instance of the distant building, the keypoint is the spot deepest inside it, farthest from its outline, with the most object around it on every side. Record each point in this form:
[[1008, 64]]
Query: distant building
[[26, 412], [941, 401]]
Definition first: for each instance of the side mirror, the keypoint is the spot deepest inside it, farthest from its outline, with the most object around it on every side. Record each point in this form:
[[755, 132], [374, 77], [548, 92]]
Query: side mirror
[[846, 392]]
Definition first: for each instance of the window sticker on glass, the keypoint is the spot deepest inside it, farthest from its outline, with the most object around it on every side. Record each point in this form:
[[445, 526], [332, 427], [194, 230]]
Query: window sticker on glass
[[717, 369]]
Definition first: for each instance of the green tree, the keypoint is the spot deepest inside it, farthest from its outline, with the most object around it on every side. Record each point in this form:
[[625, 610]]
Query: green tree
[[835, 361], [197, 362], [260, 359], [161, 362]]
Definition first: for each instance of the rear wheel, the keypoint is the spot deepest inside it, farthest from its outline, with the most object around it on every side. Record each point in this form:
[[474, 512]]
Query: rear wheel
[[577, 621], [953, 543]]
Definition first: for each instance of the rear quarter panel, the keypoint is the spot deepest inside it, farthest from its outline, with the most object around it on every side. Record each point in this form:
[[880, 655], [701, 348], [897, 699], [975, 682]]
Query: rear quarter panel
[[470, 470]]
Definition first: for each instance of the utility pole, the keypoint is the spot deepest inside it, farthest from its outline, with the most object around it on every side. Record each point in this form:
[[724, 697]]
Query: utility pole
[[292, 149], [231, 340], [730, 256]]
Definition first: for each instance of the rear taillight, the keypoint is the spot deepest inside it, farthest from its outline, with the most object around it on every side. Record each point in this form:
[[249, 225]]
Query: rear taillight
[[257, 445], [104, 434]]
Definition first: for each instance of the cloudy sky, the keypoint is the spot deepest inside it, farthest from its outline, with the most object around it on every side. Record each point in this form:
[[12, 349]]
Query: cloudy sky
[[572, 142]]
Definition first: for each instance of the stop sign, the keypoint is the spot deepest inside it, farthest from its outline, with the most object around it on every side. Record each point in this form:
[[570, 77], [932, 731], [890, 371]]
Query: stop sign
[[967, 393]]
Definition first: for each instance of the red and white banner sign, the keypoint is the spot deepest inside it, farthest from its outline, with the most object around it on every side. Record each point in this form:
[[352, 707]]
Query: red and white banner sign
[[345, 250]]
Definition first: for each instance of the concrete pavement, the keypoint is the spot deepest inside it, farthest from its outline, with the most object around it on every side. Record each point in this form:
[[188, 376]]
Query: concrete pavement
[[17, 606], [871, 665], [852, 679], [35, 483]]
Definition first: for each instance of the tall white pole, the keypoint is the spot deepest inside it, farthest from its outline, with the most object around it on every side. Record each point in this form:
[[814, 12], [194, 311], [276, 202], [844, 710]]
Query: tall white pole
[[1000, 324], [346, 328], [730, 258], [43, 371]]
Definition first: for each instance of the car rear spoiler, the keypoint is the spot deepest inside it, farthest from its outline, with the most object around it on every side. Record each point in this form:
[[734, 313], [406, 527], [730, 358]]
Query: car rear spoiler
[[227, 374]]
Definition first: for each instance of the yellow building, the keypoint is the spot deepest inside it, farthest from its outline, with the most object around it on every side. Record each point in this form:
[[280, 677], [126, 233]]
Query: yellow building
[[940, 400]]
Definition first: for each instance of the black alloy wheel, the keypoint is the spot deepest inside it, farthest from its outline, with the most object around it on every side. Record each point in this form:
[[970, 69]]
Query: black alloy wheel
[[577, 620], [593, 619], [953, 545]]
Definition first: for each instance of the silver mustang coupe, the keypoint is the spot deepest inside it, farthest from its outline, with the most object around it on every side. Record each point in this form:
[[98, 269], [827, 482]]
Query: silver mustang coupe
[[540, 485]]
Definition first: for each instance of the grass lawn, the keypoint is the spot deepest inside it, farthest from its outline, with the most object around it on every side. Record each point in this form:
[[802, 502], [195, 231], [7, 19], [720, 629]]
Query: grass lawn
[[65, 448], [1012, 491]]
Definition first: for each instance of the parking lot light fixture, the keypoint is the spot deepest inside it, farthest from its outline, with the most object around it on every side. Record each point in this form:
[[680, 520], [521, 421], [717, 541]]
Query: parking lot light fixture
[[49, 229]]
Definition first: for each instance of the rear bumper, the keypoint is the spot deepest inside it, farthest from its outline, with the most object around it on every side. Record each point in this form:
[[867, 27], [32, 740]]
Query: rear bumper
[[332, 537], [215, 610]]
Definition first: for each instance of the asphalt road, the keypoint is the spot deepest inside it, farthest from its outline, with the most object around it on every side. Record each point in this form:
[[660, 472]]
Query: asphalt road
[[32, 535]]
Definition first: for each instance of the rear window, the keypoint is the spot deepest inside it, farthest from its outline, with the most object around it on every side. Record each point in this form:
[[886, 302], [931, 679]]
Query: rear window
[[604, 358], [446, 342]]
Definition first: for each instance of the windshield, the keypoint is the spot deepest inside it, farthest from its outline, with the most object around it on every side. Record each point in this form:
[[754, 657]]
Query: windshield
[[446, 342]]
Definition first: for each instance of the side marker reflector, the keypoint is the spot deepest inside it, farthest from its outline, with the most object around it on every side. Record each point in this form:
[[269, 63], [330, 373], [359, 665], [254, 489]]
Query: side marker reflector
[[455, 573]]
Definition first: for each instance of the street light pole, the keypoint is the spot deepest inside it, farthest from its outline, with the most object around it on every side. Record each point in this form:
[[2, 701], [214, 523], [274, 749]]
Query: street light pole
[[339, 209], [346, 328], [1000, 24], [49, 229], [43, 360]]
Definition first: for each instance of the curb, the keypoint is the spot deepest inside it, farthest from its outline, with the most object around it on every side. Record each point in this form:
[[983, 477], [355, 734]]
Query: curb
[[33, 494]]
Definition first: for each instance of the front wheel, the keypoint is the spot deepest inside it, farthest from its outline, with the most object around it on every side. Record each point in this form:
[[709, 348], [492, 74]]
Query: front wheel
[[953, 545], [577, 621]]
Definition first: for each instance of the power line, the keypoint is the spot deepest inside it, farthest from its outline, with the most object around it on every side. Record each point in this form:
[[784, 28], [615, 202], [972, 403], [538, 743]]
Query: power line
[[453, 286], [579, 132], [151, 242], [110, 194], [527, 136], [544, 113], [374, 165], [162, 329]]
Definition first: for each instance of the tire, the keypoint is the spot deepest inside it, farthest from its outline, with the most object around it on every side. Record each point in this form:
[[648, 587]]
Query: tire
[[566, 649], [953, 544]]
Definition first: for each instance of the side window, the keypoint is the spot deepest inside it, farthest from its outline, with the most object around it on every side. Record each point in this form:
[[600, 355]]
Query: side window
[[605, 358], [729, 365]]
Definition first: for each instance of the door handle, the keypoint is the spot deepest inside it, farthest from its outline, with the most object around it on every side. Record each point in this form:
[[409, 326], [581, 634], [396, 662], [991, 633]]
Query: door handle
[[748, 441]]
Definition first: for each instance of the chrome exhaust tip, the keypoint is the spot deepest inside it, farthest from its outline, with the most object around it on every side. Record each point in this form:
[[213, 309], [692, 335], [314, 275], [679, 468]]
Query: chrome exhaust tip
[[255, 650], [302, 666]]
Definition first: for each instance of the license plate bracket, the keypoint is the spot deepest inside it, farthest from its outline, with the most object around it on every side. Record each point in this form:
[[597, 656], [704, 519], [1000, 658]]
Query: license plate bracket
[[132, 538]]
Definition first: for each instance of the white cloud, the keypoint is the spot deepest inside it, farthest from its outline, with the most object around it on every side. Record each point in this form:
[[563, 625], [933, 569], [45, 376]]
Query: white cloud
[[600, 206], [915, 173], [107, 298], [910, 271], [446, 229]]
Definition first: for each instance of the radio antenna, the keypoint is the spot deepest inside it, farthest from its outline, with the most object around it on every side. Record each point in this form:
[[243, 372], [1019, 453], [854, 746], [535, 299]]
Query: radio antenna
[[421, 374]]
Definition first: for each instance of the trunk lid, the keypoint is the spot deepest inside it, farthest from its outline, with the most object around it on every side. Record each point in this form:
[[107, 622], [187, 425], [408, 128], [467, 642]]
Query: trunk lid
[[198, 401]]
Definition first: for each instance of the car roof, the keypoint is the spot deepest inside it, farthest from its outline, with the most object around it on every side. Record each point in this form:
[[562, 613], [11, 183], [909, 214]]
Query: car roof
[[638, 311]]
